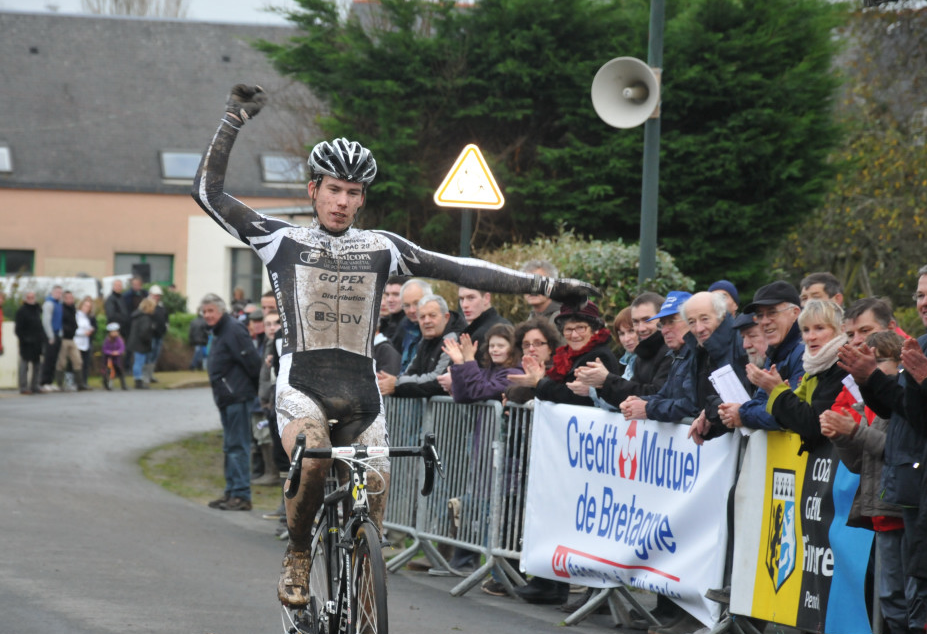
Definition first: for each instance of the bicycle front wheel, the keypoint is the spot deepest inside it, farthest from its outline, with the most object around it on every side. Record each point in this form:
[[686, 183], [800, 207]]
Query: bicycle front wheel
[[368, 587]]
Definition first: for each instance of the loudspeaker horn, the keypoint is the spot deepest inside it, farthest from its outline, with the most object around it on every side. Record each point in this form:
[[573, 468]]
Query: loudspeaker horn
[[625, 92]]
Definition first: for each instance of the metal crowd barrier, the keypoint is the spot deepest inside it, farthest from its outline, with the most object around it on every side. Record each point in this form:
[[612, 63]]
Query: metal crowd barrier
[[480, 505], [405, 417]]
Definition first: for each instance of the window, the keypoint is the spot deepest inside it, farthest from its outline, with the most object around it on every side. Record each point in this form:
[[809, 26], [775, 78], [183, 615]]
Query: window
[[16, 262], [160, 267], [247, 272], [279, 168], [179, 165], [6, 159]]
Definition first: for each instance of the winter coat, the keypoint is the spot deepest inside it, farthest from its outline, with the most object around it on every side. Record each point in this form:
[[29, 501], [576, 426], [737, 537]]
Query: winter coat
[[420, 379], [905, 439], [234, 365], [68, 321], [651, 368], [800, 410], [385, 356], [862, 454], [29, 331], [470, 383], [141, 333], [915, 397], [159, 321], [199, 332], [116, 312], [787, 357], [550, 390], [723, 347], [676, 399]]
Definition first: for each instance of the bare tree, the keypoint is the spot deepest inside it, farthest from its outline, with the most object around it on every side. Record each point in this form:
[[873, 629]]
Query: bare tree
[[155, 8]]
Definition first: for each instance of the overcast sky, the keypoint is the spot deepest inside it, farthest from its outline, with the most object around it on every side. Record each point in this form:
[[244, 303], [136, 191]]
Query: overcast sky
[[207, 10]]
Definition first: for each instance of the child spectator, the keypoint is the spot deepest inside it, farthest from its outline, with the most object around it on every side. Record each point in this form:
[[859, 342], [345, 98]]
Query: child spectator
[[472, 382], [114, 349]]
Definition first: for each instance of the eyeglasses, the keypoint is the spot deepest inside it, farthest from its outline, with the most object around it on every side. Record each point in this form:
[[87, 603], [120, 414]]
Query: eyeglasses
[[760, 315], [579, 330], [668, 321], [918, 297], [527, 345]]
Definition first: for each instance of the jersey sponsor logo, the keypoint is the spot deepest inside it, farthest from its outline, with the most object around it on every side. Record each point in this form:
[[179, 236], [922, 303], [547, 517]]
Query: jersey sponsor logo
[[310, 257], [321, 317]]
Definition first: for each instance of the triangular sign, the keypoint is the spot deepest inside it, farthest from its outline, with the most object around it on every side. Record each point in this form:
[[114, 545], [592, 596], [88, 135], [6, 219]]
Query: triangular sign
[[469, 184]]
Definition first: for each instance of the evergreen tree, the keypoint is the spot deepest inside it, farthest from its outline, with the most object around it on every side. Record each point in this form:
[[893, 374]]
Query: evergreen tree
[[746, 98]]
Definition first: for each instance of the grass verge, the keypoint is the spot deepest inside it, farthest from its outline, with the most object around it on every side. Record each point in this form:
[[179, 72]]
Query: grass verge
[[193, 467]]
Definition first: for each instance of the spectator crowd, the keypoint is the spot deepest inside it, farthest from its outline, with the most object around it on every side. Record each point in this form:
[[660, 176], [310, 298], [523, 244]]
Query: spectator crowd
[[830, 373]]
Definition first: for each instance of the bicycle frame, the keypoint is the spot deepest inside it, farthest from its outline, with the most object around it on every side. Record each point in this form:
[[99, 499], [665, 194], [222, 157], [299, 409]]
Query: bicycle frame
[[339, 613]]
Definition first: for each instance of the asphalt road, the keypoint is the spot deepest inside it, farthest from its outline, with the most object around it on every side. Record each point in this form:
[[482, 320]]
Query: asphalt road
[[88, 545]]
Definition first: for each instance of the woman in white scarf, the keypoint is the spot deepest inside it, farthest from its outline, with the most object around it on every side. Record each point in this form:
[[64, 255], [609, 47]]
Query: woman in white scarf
[[821, 324]]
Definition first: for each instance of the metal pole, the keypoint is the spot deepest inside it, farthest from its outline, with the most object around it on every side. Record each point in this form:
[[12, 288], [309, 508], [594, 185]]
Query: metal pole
[[650, 189], [466, 230]]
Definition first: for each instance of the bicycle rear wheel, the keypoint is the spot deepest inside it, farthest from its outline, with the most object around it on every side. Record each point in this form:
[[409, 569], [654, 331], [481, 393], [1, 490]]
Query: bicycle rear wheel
[[368, 587]]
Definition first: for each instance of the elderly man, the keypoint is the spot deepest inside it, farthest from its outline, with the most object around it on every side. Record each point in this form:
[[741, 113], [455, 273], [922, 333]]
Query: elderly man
[[900, 399], [719, 345], [542, 307], [408, 334], [421, 377], [753, 339], [676, 399], [234, 368], [51, 323], [775, 308]]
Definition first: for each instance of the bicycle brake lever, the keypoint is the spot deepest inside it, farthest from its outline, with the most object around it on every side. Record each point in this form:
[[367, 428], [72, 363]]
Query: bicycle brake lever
[[433, 450], [295, 473], [432, 461]]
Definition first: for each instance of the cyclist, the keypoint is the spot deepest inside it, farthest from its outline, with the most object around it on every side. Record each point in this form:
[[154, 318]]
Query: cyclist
[[328, 279]]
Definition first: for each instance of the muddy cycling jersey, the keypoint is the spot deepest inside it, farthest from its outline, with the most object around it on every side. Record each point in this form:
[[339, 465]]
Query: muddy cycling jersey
[[328, 290]]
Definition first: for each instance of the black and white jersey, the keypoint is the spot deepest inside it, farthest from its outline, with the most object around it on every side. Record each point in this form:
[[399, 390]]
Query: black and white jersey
[[328, 287]]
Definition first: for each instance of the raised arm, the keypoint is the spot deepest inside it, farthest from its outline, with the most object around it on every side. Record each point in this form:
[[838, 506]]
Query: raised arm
[[244, 102]]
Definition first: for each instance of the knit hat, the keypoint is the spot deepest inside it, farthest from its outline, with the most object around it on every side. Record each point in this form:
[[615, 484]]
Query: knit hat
[[727, 287], [589, 313], [674, 301], [111, 326]]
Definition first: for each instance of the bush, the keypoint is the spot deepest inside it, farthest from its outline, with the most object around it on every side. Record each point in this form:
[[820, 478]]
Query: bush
[[611, 265], [910, 321]]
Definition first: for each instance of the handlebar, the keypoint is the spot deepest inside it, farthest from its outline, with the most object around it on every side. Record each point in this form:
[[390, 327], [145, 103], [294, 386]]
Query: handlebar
[[428, 451]]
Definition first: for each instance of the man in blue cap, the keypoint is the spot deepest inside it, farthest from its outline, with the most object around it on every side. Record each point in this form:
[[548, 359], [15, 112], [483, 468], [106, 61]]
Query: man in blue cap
[[676, 399]]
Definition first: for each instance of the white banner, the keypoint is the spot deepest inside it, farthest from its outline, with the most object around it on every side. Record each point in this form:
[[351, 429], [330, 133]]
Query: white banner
[[612, 502]]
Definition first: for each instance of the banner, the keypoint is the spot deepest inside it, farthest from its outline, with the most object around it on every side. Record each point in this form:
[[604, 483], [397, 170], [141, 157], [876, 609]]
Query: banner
[[796, 562], [613, 502]]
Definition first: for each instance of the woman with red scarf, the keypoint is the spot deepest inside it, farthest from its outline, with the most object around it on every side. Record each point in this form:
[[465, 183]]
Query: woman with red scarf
[[587, 339]]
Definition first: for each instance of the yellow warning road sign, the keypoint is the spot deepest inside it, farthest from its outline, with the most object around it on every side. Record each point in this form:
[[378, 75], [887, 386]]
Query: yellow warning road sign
[[469, 184]]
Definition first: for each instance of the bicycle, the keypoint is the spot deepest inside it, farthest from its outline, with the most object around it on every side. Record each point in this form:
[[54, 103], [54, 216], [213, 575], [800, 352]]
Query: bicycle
[[347, 575]]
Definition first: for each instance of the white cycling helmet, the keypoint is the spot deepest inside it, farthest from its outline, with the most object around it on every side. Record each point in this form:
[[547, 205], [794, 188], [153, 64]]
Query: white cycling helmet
[[342, 159]]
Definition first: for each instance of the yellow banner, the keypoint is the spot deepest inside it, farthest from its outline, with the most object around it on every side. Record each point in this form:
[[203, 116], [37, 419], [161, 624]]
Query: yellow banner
[[777, 588]]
